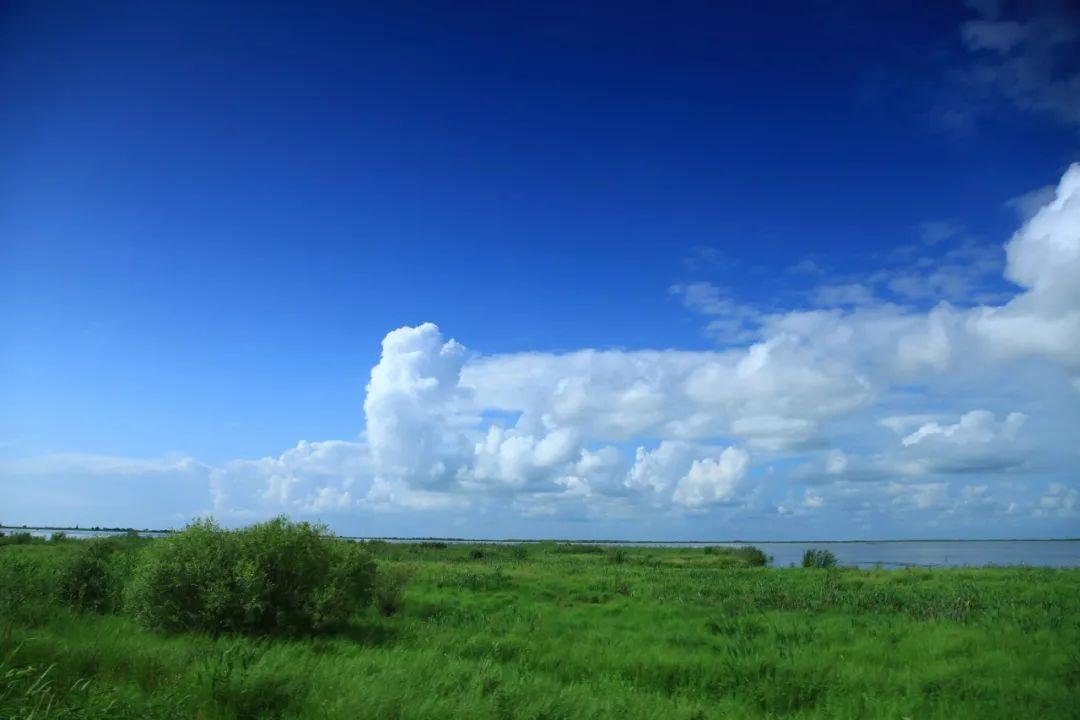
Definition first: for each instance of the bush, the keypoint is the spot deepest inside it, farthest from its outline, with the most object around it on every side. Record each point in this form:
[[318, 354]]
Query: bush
[[432, 545], [24, 594], [818, 558], [89, 582], [476, 554], [519, 552], [753, 556], [274, 577], [58, 536], [20, 538], [389, 592], [579, 548], [616, 556]]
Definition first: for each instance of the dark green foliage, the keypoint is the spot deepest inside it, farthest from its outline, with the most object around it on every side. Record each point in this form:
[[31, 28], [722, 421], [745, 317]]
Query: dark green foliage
[[616, 556], [432, 545], [749, 554], [58, 536], [519, 552], [476, 554], [20, 538], [753, 556], [231, 678], [22, 588], [579, 549], [389, 591], [818, 558], [92, 581], [274, 577]]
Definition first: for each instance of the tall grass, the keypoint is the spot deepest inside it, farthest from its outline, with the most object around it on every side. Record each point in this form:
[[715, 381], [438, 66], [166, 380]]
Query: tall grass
[[673, 633]]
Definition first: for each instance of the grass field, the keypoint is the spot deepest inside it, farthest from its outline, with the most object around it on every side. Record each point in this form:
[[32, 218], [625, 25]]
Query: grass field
[[555, 631]]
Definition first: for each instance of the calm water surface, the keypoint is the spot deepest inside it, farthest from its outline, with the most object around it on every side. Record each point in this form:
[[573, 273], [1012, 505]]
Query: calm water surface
[[944, 553], [1044, 553]]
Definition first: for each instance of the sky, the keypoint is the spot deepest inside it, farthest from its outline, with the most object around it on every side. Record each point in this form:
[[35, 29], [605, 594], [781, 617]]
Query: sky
[[684, 271]]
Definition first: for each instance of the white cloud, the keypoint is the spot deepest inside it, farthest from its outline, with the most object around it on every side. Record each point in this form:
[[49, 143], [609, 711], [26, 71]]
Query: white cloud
[[730, 322], [1027, 204], [713, 481], [1059, 500], [658, 469], [975, 427], [311, 478], [415, 409], [920, 496], [876, 404], [86, 464], [1044, 259], [843, 294]]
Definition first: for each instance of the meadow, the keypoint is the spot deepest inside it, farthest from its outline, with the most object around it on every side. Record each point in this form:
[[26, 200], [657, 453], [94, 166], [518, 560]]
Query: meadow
[[549, 630]]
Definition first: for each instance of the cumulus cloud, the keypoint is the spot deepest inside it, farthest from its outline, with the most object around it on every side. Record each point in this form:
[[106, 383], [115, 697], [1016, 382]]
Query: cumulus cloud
[[311, 478], [450, 429], [856, 406], [713, 481], [1043, 259], [416, 408], [442, 419], [977, 427]]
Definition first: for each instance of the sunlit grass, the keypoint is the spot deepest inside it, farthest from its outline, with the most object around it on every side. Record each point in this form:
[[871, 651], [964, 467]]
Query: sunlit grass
[[547, 631]]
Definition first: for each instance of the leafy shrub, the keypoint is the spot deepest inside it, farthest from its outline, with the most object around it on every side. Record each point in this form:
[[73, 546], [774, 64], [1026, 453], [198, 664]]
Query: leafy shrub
[[616, 556], [519, 552], [476, 554], [89, 581], [579, 548], [23, 594], [753, 556], [58, 536], [389, 591], [432, 545], [818, 558], [748, 554], [273, 577], [20, 538]]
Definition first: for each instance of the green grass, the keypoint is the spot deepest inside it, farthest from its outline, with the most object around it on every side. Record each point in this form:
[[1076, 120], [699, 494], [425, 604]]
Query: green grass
[[561, 631]]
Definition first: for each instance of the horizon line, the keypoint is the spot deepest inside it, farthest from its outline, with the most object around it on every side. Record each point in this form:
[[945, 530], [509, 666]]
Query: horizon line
[[420, 538]]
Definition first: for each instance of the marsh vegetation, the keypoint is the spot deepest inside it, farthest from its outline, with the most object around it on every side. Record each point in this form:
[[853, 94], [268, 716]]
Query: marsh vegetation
[[281, 622]]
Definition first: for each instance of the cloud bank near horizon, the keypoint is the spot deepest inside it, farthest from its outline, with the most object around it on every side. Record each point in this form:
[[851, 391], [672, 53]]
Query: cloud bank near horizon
[[868, 403]]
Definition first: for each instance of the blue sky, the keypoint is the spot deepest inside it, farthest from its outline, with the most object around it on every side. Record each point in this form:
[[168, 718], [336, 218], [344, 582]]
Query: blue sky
[[711, 272]]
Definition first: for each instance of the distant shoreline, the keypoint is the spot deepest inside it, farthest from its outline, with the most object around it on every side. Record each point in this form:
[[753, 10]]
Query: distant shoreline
[[567, 540]]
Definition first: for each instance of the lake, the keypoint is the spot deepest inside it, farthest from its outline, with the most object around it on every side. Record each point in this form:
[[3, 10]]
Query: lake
[[886, 554], [944, 553]]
